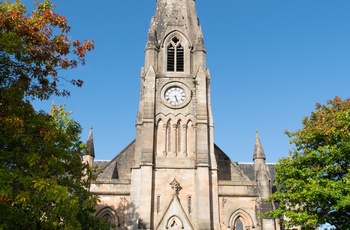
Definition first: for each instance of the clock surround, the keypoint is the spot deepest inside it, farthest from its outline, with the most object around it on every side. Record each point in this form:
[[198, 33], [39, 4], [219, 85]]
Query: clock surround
[[175, 95]]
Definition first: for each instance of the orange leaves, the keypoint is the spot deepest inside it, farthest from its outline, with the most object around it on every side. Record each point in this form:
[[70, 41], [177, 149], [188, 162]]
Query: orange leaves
[[329, 123], [39, 48], [60, 44], [15, 14], [38, 148], [3, 198], [81, 49], [56, 20]]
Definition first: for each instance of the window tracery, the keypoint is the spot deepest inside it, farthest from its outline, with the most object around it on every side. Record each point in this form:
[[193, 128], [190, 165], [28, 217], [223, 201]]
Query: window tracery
[[175, 56]]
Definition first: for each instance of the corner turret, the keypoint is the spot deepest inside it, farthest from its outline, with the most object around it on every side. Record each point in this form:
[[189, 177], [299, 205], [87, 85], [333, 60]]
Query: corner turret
[[262, 175], [263, 179]]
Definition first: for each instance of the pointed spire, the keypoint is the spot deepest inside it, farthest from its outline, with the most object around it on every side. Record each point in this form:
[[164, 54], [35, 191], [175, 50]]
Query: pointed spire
[[173, 15], [90, 144], [258, 150]]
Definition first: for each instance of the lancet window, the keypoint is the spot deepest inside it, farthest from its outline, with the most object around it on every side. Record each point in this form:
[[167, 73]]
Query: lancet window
[[239, 225], [175, 56], [158, 203]]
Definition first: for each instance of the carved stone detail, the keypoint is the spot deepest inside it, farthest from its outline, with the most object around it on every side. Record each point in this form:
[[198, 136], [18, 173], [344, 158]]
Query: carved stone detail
[[176, 187]]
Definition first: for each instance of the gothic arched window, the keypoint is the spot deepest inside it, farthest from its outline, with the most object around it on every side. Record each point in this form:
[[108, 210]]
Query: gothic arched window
[[174, 223], [109, 216], [175, 56], [241, 220]]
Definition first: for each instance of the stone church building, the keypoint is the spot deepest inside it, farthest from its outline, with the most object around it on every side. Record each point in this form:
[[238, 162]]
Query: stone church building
[[173, 176]]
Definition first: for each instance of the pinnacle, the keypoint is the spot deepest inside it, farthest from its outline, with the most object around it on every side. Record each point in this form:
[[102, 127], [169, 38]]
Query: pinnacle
[[258, 150], [90, 144]]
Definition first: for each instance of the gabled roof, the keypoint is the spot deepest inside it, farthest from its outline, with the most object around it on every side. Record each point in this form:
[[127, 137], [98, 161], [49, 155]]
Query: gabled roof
[[119, 167], [227, 169]]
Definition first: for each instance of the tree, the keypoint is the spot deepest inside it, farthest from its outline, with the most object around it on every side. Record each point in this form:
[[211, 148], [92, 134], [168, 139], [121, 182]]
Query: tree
[[314, 182], [42, 179], [35, 48], [43, 182]]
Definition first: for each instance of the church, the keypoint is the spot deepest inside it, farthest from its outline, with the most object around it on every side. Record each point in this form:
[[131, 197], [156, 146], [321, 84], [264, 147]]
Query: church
[[173, 175]]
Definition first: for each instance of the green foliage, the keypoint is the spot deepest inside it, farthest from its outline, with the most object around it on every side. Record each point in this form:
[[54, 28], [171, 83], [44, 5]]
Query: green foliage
[[42, 179], [43, 182], [314, 183]]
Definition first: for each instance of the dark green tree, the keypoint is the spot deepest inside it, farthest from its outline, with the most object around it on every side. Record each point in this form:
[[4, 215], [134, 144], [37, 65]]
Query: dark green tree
[[314, 182], [42, 179]]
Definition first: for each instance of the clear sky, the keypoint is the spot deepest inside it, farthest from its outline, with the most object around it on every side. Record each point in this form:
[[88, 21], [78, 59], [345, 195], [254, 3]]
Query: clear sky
[[270, 62]]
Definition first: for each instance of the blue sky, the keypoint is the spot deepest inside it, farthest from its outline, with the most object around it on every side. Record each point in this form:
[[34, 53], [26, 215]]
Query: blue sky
[[270, 62]]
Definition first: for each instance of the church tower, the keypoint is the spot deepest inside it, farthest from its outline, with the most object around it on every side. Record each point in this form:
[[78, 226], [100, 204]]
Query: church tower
[[173, 176], [174, 137]]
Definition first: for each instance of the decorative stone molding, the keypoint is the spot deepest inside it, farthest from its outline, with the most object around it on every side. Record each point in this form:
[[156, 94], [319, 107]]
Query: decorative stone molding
[[176, 187]]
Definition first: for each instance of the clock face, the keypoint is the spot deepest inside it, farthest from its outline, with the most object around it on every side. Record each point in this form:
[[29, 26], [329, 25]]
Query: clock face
[[175, 95]]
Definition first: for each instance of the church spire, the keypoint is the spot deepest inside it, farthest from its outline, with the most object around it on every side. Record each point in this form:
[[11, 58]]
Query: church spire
[[175, 28], [258, 149], [174, 119], [175, 15]]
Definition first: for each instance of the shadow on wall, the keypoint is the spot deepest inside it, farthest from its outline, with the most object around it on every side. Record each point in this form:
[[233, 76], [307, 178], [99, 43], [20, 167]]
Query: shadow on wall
[[123, 217]]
